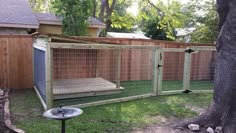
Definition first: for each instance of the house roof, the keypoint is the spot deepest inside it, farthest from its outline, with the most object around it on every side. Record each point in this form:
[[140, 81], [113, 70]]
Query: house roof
[[50, 18], [17, 13], [126, 35], [93, 22]]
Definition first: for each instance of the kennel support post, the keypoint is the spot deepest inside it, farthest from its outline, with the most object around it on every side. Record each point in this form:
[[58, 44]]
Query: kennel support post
[[118, 68], [160, 71], [49, 76], [187, 69], [156, 54]]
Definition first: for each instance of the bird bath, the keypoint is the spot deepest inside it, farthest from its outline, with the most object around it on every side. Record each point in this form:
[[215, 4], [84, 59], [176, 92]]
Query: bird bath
[[62, 114]]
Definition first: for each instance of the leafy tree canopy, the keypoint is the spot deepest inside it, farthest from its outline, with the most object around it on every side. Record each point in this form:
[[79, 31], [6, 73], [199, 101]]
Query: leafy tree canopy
[[160, 20], [74, 15], [121, 20], [41, 5], [205, 21]]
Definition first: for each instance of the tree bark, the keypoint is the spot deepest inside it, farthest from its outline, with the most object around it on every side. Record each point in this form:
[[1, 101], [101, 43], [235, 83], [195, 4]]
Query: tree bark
[[94, 8], [109, 10], [102, 10], [222, 111]]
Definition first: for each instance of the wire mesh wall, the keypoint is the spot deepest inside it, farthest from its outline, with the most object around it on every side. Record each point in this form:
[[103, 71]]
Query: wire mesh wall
[[172, 70], [202, 70], [86, 76], [40, 72]]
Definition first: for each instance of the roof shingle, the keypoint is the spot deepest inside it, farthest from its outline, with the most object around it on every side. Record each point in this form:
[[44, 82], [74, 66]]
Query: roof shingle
[[17, 13], [50, 18]]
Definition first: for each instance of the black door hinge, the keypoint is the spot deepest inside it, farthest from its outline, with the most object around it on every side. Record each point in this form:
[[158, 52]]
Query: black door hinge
[[186, 91], [189, 50]]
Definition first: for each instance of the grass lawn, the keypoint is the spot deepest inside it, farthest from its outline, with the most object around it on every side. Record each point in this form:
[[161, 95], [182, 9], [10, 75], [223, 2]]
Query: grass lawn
[[133, 88], [120, 117]]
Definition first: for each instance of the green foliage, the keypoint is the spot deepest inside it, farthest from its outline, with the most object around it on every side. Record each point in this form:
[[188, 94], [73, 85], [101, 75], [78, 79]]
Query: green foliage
[[159, 21], [74, 15], [121, 20], [152, 29], [41, 5], [206, 21], [121, 23]]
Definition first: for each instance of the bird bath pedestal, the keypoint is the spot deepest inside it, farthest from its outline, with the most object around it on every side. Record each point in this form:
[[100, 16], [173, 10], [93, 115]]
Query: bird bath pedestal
[[62, 114]]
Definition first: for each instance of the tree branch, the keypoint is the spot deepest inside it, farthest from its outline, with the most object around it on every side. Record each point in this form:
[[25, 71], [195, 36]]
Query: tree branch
[[159, 11]]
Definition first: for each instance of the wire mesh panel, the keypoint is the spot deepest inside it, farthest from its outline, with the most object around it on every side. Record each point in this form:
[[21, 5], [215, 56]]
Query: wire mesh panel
[[40, 72], [88, 75], [202, 70], [172, 70]]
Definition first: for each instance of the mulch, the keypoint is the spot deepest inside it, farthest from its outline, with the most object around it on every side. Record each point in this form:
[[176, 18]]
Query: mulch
[[5, 122], [3, 128]]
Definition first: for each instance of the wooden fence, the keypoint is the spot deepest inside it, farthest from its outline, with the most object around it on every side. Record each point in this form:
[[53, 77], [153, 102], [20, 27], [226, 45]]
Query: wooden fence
[[16, 61]]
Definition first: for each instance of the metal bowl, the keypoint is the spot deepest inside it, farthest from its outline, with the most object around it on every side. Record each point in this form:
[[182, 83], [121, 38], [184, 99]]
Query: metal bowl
[[62, 113]]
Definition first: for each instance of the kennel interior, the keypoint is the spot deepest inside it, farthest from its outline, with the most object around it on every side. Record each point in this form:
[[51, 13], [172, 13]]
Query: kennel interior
[[90, 74]]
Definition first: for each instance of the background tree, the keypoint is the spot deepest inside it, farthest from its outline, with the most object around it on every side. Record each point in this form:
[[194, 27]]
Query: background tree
[[41, 5], [113, 14], [205, 17], [166, 16], [222, 111], [106, 9], [121, 20], [74, 14], [152, 29]]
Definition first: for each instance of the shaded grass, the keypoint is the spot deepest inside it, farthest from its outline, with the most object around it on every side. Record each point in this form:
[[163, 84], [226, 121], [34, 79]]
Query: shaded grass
[[133, 88], [119, 117]]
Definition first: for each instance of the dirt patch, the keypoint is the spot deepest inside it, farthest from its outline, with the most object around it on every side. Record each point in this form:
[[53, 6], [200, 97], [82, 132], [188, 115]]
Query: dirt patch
[[195, 109], [161, 129], [164, 124]]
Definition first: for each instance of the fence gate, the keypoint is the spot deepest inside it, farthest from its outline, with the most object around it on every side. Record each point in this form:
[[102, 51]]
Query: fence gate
[[185, 70]]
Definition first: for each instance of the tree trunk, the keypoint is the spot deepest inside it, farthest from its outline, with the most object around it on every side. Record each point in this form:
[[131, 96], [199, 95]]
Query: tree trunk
[[109, 10], [222, 111], [102, 10], [94, 8]]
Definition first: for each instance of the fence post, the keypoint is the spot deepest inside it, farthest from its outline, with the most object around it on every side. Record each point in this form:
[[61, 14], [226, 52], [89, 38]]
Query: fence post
[[49, 76], [187, 69], [156, 54], [160, 71], [118, 68]]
